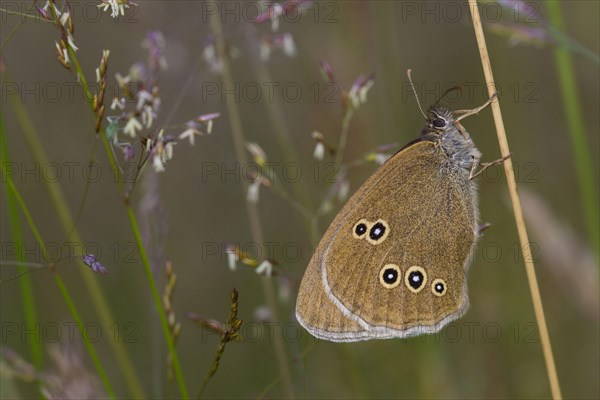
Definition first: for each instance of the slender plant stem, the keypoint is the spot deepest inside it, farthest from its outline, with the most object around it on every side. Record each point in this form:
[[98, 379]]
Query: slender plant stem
[[24, 15], [29, 265], [27, 294], [339, 156], [516, 202], [88, 94], [158, 304], [572, 107], [10, 35], [60, 205], [252, 211], [230, 333], [141, 248], [280, 190], [86, 341], [278, 123], [61, 286]]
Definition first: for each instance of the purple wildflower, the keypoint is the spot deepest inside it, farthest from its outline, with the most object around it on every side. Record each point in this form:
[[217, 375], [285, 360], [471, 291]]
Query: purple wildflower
[[91, 261], [327, 71], [128, 151]]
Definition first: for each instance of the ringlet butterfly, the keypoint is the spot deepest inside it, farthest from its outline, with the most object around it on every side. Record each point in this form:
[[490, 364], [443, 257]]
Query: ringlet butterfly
[[393, 262]]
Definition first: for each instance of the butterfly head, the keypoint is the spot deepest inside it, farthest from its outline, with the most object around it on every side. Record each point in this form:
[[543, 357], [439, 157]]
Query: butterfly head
[[444, 127], [439, 119], [441, 122]]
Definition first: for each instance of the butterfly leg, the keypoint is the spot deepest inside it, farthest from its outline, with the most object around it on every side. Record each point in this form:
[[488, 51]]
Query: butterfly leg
[[466, 113], [485, 166]]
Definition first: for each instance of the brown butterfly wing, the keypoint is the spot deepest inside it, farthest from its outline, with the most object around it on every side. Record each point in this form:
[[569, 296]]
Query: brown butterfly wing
[[318, 314], [429, 213]]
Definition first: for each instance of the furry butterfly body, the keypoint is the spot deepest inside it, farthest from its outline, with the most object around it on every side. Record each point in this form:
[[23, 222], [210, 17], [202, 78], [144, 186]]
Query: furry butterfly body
[[393, 262]]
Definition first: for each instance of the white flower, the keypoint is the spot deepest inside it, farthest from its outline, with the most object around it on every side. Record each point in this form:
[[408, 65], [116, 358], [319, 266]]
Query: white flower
[[193, 127], [209, 53], [319, 151], [208, 118], [147, 116], [137, 72], [64, 18], [276, 12], [362, 93], [168, 151], [132, 126], [263, 314], [122, 80], [343, 190], [253, 192], [66, 55], [116, 6], [232, 258], [257, 153], [265, 268], [143, 97], [118, 103], [358, 91], [380, 158], [289, 47], [104, 6], [158, 165], [162, 151], [56, 10], [353, 95], [190, 133], [122, 7], [285, 289]]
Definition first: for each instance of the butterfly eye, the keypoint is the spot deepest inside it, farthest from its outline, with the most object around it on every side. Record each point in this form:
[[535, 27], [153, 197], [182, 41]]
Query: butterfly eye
[[360, 228], [438, 287], [389, 276], [415, 279], [439, 123], [378, 232]]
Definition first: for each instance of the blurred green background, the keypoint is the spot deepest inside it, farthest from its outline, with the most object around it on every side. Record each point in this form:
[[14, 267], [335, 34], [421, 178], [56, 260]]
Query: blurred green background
[[188, 214]]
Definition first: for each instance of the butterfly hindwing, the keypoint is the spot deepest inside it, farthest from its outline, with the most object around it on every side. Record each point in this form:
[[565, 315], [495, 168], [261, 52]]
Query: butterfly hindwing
[[382, 236]]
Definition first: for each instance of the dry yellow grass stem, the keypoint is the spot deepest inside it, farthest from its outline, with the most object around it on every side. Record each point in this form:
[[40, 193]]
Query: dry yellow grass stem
[[516, 202]]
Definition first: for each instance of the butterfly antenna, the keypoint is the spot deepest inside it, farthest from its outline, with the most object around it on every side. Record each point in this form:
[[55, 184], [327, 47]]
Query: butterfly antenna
[[415, 91], [450, 90]]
